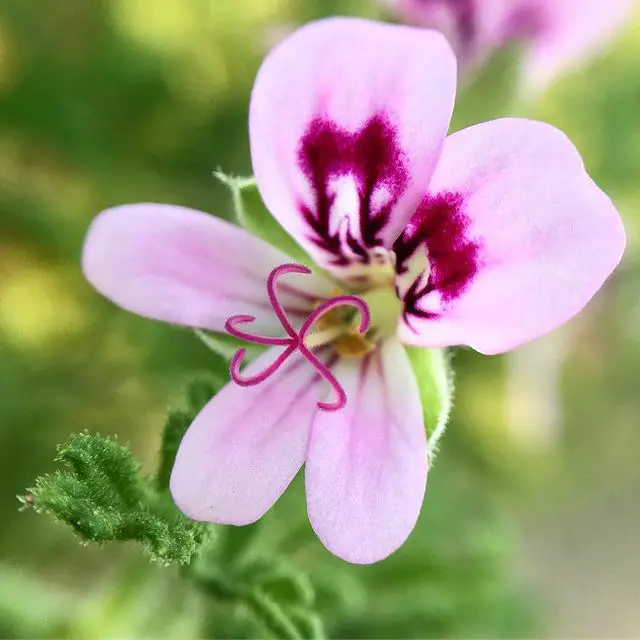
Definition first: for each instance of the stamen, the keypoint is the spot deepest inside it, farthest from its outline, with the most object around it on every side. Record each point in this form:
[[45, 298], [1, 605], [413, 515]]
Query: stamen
[[321, 338], [338, 301], [365, 320], [296, 339]]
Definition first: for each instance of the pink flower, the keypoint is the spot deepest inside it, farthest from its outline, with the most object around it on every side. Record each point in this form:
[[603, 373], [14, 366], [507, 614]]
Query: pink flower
[[490, 238], [557, 34]]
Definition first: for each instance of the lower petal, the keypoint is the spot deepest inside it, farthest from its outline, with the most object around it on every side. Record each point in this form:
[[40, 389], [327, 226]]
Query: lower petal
[[366, 468], [246, 445]]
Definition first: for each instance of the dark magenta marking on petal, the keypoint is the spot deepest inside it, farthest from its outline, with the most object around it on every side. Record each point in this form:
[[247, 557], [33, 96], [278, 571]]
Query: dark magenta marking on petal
[[439, 225], [374, 158]]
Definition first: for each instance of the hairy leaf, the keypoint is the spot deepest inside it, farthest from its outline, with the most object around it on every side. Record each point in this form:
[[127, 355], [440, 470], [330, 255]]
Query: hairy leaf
[[253, 215], [198, 393], [104, 498], [435, 380]]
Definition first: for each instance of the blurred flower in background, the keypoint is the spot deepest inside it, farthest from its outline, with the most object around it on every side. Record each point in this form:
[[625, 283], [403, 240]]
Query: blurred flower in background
[[554, 35]]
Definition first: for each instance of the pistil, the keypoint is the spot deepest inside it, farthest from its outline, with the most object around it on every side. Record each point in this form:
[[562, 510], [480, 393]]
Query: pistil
[[303, 340]]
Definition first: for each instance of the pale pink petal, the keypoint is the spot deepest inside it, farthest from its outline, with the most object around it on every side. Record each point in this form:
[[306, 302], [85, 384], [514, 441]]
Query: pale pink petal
[[527, 238], [574, 31], [247, 444], [186, 267], [347, 118], [366, 468]]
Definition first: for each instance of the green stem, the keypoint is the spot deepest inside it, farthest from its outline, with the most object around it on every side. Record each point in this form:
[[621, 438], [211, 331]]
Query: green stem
[[271, 616], [263, 608]]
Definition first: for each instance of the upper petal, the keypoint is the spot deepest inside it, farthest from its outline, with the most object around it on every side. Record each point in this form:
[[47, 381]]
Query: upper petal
[[366, 468], [347, 118], [247, 444], [525, 240], [186, 267]]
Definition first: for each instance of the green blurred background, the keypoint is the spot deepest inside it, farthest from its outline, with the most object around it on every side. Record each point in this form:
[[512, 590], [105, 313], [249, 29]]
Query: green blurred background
[[531, 521]]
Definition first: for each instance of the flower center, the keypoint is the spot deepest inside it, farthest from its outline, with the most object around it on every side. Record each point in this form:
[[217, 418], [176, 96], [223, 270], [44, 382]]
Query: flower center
[[385, 308], [352, 325], [336, 320], [340, 327]]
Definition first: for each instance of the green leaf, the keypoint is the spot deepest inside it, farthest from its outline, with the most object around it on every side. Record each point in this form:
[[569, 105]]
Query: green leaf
[[308, 622], [274, 593], [235, 543], [280, 581], [198, 393], [339, 590], [227, 587], [285, 589], [253, 215], [435, 381], [272, 616], [104, 498], [174, 429]]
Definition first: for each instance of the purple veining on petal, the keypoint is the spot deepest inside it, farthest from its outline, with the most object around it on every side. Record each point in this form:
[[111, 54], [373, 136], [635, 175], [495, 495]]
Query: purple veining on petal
[[438, 226], [374, 159], [295, 341], [288, 369]]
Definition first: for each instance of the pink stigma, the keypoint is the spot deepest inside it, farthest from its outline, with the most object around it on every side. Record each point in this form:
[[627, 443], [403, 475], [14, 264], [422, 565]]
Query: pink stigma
[[295, 339]]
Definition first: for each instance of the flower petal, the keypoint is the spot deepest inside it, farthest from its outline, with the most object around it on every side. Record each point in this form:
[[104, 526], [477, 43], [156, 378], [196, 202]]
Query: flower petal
[[366, 468], [347, 118], [472, 27], [573, 31], [442, 15], [528, 235], [186, 267], [247, 444]]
